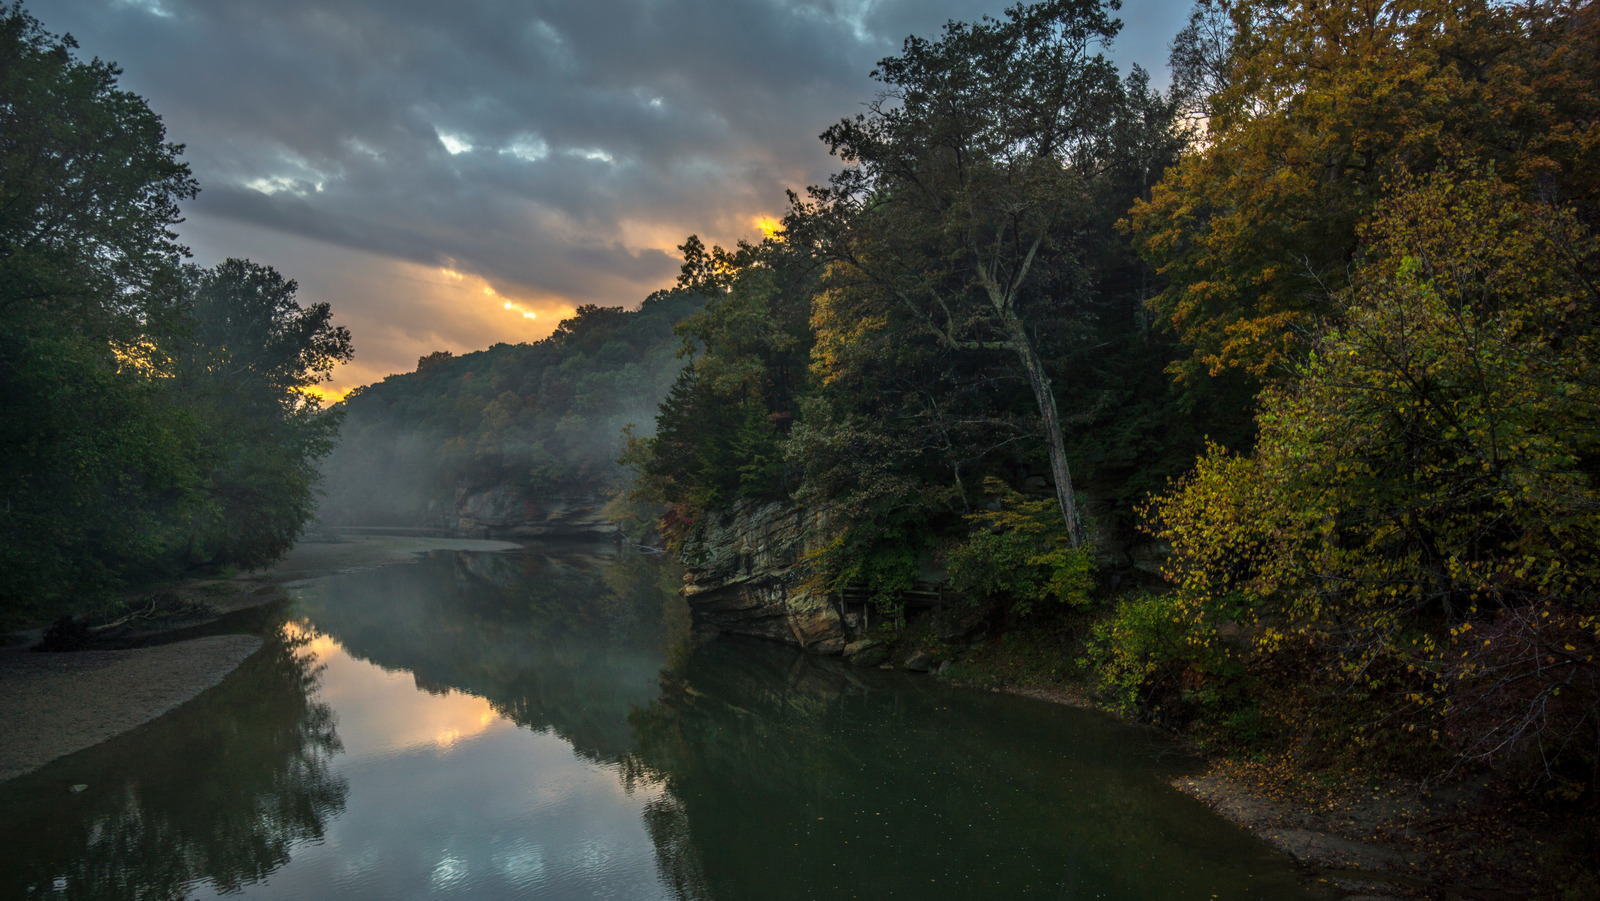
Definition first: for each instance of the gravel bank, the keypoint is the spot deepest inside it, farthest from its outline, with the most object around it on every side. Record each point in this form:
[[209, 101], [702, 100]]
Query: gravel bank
[[55, 704]]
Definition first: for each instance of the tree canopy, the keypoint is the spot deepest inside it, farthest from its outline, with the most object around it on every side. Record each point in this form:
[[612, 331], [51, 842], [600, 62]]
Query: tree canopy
[[153, 416]]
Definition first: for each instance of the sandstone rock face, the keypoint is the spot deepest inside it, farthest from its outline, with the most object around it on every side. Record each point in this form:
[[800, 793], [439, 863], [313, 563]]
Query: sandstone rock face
[[501, 511], [747, 575]]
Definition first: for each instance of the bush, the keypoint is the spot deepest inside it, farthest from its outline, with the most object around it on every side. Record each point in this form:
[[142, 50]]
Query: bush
[[1157, 657], [1020, 552]]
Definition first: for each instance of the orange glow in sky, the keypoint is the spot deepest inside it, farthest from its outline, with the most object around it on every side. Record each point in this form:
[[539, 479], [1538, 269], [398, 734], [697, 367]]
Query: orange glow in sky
[[327, 394], [769, 226]]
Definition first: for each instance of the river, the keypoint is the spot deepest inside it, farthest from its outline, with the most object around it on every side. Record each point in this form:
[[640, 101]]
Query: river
[[545, 724]]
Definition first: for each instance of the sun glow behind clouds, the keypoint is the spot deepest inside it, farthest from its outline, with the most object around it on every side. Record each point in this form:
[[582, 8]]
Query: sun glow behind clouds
[[527, 308], [769, 226], [327, 394]]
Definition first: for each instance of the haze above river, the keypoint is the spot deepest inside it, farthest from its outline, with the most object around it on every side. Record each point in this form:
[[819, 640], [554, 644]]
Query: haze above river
[[543, 724]]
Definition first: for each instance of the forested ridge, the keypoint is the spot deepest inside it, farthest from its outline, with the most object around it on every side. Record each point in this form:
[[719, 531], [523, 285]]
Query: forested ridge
[[1316, 328], [154, 415], [545, 419]]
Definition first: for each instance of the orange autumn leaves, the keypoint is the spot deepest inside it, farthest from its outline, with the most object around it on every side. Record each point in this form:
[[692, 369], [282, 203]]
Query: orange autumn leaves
[[1320, 108]]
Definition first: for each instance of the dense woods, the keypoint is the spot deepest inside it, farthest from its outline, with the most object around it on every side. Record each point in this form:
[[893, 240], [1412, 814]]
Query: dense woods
[[1316, 327], [153, 414]]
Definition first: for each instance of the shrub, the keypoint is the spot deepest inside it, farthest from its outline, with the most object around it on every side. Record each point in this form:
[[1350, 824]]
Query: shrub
[[1020, 552]]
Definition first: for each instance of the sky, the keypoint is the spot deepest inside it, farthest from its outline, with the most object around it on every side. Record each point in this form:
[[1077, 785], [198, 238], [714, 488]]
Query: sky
[[451, 175]]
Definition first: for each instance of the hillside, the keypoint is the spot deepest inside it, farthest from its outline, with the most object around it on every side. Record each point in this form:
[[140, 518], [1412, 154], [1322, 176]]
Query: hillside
[[491, 432]]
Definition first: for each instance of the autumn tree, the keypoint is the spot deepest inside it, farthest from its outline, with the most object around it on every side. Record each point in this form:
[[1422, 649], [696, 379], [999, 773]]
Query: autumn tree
[[1418, 524], [1311, 109]]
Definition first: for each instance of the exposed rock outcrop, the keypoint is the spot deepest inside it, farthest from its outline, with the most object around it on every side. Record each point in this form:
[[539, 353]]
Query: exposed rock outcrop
[[501, 511], [748, 575]]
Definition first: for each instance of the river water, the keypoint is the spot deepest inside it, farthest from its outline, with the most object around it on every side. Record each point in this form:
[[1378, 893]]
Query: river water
[[544, 725]]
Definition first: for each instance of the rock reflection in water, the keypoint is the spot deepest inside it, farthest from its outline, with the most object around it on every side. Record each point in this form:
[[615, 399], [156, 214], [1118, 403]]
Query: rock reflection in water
[[219, 791], [793, 777]]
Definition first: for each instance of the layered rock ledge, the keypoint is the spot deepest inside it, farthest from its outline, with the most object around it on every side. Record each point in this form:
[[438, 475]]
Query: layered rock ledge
[[748, 574]]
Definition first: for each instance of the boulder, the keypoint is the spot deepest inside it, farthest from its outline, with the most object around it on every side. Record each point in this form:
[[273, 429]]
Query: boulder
[[866, 652], [920, 661]]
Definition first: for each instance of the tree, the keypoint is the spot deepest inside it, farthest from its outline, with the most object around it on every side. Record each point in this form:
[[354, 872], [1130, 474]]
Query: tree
[[964, 206], [92, 461], [91, 191], [721, 429], [153, 417], [1419, 524], [251, 353], [1313, 109]]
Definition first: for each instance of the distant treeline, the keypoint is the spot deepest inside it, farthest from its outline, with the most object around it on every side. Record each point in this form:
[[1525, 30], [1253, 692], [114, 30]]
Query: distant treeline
[[154, 417], [1322, 322], [545, 419]]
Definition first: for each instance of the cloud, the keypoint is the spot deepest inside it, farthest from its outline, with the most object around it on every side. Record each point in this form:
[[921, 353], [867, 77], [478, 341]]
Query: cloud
[[557, 151]]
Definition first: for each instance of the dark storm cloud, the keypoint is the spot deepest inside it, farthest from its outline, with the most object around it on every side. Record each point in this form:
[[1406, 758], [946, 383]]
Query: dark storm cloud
[[558, 149]]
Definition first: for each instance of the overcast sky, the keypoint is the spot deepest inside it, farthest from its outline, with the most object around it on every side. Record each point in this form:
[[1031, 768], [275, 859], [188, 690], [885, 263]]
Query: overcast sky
[[449, 175]]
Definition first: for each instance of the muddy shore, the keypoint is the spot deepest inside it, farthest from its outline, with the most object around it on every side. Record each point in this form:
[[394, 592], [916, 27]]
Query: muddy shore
[[53, 704], [1360, 837]]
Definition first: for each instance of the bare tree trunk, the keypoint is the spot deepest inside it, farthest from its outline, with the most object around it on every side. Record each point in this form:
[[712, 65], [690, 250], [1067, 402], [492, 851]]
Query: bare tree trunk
[[1045, 396]]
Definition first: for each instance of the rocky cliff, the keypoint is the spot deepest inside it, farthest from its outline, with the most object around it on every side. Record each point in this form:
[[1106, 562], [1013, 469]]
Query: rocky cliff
[[747, 574], [501, 511]]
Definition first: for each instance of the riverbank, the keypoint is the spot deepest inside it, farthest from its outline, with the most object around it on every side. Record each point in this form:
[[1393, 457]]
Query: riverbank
[[57, 703], [1356, 835], [1363, 836], [1342, 861]]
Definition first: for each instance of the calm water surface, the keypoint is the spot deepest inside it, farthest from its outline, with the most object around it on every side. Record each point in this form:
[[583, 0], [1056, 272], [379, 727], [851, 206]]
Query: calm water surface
[[543, 725]]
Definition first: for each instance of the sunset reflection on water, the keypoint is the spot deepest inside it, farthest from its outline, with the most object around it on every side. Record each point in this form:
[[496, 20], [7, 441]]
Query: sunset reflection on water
[[382, 711]]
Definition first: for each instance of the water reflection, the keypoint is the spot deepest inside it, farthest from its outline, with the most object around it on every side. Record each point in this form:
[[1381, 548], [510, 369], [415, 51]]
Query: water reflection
[[793, 777], [221, 790], [569, 642], [541, 725]]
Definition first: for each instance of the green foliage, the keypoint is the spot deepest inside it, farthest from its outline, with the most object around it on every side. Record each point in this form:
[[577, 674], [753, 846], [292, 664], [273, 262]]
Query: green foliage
[[251, 353], [1158, 657], [1141, 649], [721, 430], [1019, 551], [153, 417], [1418, 517]]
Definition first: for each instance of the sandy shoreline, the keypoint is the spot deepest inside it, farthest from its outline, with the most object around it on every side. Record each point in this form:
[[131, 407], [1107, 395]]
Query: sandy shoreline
[[54, 704]]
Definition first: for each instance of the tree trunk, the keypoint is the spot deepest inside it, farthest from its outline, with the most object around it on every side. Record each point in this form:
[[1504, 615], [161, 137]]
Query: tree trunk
[[1039, 381]]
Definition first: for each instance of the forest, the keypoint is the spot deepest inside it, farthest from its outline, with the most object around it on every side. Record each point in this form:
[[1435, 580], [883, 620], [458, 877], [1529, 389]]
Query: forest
[[1267, 403], [154, 415]]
